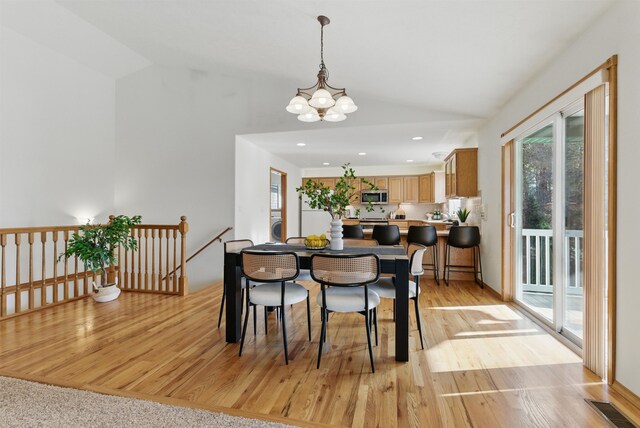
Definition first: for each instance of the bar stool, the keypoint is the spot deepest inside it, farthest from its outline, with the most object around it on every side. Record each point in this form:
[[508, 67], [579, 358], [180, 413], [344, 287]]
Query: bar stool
[[464, 237], [386, 234], [352, 231], [427, 236]]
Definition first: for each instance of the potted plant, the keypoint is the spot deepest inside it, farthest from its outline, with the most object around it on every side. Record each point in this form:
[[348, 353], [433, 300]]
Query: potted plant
[[463, 214], [335, 201], [96, 246]]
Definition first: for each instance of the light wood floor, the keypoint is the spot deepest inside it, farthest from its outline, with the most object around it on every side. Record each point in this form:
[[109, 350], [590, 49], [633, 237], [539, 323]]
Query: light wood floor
[[485, 364]]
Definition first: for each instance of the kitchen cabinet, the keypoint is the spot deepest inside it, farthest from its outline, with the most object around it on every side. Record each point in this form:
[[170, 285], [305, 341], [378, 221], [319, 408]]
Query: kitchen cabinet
[[425, 188], [381, 183], [396, 189], [411, 189], [328, 182], [461, 173]]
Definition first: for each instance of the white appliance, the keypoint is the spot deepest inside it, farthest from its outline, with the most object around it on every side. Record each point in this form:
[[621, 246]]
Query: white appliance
[[313, 221]]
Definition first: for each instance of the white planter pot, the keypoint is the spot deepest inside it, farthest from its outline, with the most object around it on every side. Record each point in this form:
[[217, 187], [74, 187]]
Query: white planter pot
[[106, 293], [336, 235]]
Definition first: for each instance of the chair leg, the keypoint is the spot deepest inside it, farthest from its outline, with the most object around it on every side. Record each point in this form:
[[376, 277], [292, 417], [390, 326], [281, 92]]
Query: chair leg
[[447, 263], [323, 332], [326, 321], [244, 328], [242, 300], [255, 321], [366, 323], [417, 307], [480, 266], [284, 337], [435, 264], [224, 298], [308, 316], [266, 319], [394, 310], [375, 316]]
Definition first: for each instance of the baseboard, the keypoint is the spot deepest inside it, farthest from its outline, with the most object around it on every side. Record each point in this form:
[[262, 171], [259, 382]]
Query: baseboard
[[158, 399], [492, 291], [627, 394]]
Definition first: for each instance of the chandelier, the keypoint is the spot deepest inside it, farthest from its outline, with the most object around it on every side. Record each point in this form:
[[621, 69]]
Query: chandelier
[[321, 101]]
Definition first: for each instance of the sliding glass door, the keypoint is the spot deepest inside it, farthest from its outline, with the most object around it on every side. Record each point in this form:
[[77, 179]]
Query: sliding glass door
[[549, 195]]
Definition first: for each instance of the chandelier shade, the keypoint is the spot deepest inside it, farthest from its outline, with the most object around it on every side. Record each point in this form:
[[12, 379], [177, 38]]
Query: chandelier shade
[[321, 101]]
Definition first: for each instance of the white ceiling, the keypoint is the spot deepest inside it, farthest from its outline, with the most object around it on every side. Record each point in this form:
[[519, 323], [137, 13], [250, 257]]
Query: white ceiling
[[447, 62], [464, 57], [45, 22]]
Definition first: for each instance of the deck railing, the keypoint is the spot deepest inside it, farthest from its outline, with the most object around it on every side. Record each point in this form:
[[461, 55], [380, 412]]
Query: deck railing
[[32, 277], [537, 260]]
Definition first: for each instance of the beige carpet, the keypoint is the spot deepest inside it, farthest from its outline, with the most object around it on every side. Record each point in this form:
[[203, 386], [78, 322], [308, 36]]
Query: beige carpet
[[30, 404]]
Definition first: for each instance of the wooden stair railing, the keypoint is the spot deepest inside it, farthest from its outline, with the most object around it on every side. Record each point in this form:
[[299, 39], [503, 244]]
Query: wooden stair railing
[[218, 237], [32, 277]]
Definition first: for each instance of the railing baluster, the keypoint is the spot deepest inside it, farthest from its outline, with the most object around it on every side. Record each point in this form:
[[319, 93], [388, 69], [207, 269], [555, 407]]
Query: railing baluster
[[153, 259], [43, 286], [78, 289], [55, 266], [146, 259], [18, 295], [160, 235], [547, 268], [139, 259], [174, 286], [537, 243], [167, 276], [30, 238], [578, 262], [65, 236]]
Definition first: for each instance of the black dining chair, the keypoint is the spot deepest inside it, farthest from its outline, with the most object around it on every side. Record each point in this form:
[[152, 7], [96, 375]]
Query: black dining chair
[[274, 270], [427, 236], [464, 237], [386, 234], [344, 281], [352, 231]]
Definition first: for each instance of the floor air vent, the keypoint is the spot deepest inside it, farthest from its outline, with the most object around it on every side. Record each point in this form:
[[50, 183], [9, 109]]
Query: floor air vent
[[611, 414]]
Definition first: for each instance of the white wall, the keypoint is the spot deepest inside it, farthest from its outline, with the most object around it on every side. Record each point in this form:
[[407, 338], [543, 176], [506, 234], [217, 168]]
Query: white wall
[[252, 199], [57, 136], [617, 32]]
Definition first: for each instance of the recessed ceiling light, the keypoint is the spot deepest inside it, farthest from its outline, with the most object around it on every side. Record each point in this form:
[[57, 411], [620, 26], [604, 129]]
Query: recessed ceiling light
[[362, 154], [417, 138], [301, 144], [326, 163], [409, 160]]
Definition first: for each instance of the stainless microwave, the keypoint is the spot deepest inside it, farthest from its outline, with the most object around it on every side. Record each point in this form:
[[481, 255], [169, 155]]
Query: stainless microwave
[[376, 197]]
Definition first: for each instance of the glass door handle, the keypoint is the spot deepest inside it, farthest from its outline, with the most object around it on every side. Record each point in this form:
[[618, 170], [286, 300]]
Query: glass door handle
[[512, 220]]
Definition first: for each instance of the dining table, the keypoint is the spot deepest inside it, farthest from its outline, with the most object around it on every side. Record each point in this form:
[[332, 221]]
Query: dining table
[[393, 260]]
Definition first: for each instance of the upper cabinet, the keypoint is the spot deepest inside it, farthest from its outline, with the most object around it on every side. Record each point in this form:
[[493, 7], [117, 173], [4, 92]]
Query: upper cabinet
[[396, 189], [426, 188], [411, 190], [461, 173]]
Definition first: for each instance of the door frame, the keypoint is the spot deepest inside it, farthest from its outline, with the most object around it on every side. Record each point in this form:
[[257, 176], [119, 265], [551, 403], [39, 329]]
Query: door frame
[[283, 209]]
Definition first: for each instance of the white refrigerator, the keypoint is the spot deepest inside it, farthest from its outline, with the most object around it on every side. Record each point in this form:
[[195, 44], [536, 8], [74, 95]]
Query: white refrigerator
[[313, 221]]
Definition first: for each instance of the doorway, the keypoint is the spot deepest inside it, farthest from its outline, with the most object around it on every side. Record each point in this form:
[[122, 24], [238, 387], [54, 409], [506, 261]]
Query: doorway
[[277, 205], [549, 234]]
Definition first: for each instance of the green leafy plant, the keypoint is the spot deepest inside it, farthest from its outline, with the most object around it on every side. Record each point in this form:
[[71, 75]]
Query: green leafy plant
[[463, 214], [335, 201], [96, 245]]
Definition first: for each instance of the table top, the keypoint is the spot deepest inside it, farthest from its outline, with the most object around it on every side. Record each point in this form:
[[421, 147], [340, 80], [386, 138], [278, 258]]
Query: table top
[[382, 251]]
